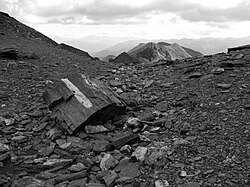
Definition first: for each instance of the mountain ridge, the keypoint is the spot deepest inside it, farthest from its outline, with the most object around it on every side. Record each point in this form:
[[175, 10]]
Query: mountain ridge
[[153, 52], [206, 46]]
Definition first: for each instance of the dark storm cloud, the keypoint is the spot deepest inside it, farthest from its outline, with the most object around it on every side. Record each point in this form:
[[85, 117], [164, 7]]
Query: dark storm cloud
[[111, 12]]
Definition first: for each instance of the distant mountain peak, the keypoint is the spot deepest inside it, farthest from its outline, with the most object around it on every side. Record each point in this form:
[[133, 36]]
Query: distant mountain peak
[[124, 58], [152, 52]]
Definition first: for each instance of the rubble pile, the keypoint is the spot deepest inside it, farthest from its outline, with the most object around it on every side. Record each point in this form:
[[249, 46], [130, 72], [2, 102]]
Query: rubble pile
[[68, 121], [185, 124]]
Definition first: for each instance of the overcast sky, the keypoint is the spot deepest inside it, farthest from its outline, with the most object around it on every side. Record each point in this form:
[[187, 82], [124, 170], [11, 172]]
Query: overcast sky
[[149, 19]]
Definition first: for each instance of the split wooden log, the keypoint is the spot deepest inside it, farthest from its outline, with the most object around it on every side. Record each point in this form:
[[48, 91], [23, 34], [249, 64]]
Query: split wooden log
[[79, 101]]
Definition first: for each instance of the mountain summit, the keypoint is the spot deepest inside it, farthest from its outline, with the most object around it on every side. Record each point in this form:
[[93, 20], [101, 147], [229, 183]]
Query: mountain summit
[[153, 52]]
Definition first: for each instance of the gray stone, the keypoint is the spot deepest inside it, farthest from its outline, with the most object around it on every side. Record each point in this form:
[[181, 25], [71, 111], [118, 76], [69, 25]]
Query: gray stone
[[190, 184], [195, 75], [28, 182], [19, 138], [126, 149], [140, 153], [224, 86], [115, 83], [124, 180], [110, 178], [130, 170], [95, 129], [95, 185], [68, 177], [57, 162], [4, 147], [161, 183], [78, 183], [218, 71], [108, 162], [46, 151], [162, 106], [153, 157], [62, 184], [40, 127], [100, 146], [77, 167]]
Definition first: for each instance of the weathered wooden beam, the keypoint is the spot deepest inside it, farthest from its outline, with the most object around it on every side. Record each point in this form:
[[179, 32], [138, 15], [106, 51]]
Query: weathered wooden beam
[[79, 101]]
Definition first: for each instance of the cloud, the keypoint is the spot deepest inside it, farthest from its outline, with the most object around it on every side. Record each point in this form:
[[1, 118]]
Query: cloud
[[121, 12], [240, 12], [3, 5]]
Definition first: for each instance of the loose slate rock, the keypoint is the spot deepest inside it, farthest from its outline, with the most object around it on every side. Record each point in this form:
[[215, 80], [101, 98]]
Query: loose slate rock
[[28, 181], [247, 106], [110, 178], [140, 153], [190, 184], [57, 162], [4, 147], [95, 185], [95, 129], [100, 146], [124, 180], [195, 75], [9, 52], [162, 106], [78, 183], [115, 83], [161, 183], [130, 170], [218, 71], [4, 156], [224, 86], [77, 167], [108, 162], [125, 140], [46, 151]]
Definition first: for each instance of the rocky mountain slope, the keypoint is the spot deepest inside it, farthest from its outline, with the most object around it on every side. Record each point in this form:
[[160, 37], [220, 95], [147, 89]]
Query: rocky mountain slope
[[186, 122], [76, 51], [152, 52]]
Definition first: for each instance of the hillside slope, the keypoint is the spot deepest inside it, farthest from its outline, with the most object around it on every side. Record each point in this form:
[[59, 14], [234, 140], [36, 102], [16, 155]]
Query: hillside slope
[[187, 122], [51, 62], [76, 51]]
